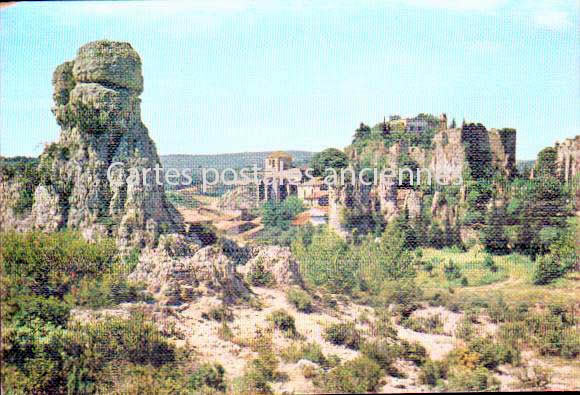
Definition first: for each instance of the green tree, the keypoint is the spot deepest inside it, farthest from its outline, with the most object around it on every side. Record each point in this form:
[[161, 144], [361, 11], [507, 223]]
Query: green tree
[[546, 163], [436, 236], [493, 235], [279, 215], [330, 158], [363, 132]]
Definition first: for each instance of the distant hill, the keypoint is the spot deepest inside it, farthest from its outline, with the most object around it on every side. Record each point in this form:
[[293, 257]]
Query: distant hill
[[223, 161], [234, 161]]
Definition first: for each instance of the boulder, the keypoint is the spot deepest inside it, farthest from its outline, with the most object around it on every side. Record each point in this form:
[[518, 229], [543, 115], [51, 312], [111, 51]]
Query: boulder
[[174, 280], [279, 262]]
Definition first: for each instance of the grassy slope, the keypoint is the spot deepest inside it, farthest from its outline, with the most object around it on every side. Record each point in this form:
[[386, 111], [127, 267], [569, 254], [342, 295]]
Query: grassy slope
[[513, 279]]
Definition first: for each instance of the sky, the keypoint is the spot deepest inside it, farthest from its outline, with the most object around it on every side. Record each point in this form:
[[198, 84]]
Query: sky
[[235, 76]]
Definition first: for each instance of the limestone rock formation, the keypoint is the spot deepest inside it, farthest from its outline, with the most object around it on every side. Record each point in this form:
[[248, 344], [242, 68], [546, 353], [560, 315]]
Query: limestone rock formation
[[279, 262], [452, 152], [97, 105], [174, 280], [568, 158]]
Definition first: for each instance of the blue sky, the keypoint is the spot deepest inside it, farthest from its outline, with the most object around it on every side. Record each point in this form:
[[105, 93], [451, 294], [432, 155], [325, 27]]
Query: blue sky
[[234, 76]]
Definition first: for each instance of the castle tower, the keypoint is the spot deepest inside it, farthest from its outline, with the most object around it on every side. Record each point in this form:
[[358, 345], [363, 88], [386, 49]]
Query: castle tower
[[278, 161]]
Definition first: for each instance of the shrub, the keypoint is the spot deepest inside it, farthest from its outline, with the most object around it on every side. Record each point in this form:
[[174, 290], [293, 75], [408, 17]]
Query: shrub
[[328, 262], [432, 372], [134, 340], [261, 370], [547, 270], [382, 352], [283, 321], [432, 324], [488, 262], [405, 294], [51, 359], [309, 351], [465, 329], [300, 299], [559, 341], [258, 276], [498, 310], [22, 310], [359, 375], [49, 264], [479, 379], [452, 271], [343, 334], [108, 289], [208, 375], [382, 325], [219, 314], [225, 332], [414, 352], [492, 354]]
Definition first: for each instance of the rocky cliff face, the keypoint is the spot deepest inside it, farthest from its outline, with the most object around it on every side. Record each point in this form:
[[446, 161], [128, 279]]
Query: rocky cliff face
[[452, 152], [568, 158], [97, 106]]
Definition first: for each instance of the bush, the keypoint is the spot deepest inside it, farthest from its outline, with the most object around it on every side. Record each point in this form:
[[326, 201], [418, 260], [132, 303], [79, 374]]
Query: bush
[[479, 379], [327, 262], [414, 352], [488, 262], [547, 270], [279, 215], [22, 310], [382, 352], [134, 340], [432, 372], [432, 324], [405, 294], [359, 375], [452, 271], [258, 276], [108, 289], [559, 341], [263, 369], [208, 375], [51, 359], [50, 264], [492, 354], [300, 299], [465, 329], [309, 351], [283, 321], [219, 314], [343, 334]]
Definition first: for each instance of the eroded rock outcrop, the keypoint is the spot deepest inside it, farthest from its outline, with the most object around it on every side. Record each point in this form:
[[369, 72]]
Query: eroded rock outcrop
[[452, 154], [568, 158], [97, 105], [279, 262], [174, 280]]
